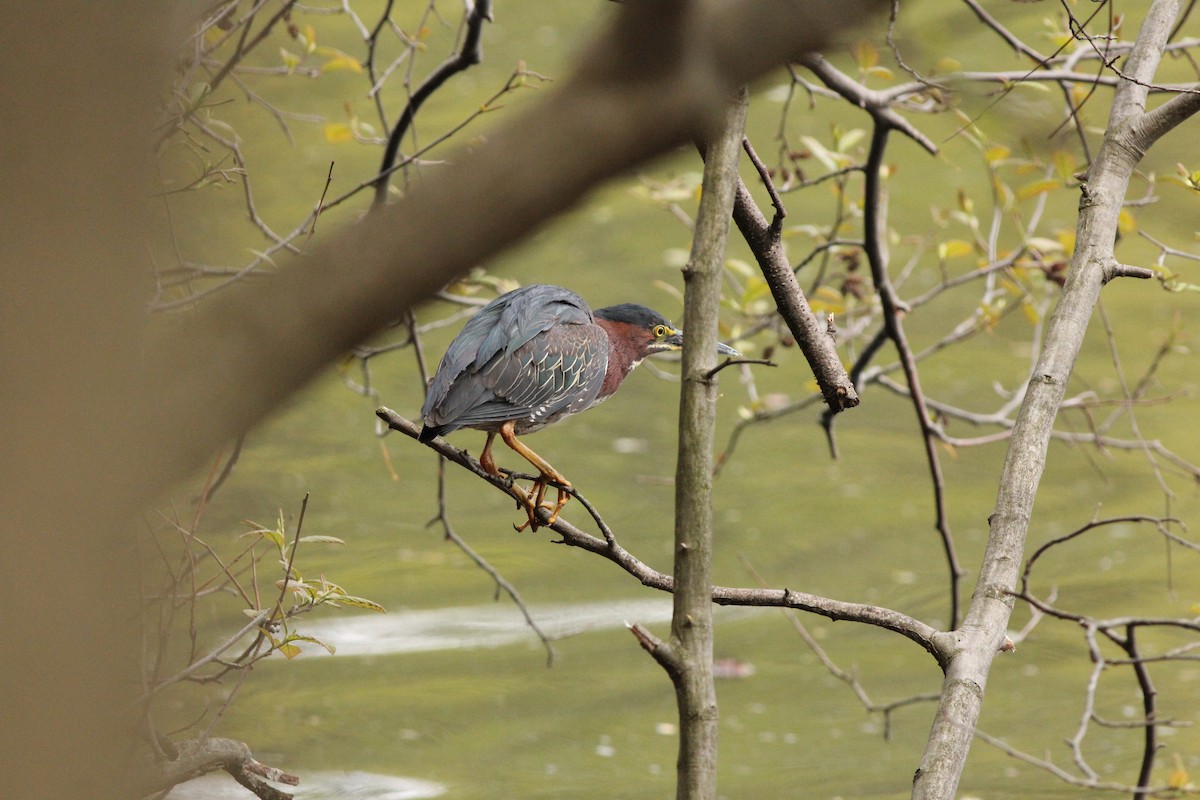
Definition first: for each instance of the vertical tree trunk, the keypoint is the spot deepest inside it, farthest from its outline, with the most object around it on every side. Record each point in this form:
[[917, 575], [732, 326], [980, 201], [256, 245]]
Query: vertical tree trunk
[[691, 624], [972, 647]]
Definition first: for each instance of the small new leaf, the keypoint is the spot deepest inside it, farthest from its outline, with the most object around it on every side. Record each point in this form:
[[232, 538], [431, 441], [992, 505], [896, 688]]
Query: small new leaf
[[1036, 188], [290, 59], [337, 132], [289, 651], [356, 602], [322, 539], [299, 637], [954, 248]]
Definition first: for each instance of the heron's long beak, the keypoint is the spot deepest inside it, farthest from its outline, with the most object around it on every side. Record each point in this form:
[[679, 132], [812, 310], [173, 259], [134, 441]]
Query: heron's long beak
[[675, 342]]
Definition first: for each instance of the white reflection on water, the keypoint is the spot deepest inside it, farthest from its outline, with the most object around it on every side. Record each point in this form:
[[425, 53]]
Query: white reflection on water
[[478, 626], [315, 786], [471, 626]]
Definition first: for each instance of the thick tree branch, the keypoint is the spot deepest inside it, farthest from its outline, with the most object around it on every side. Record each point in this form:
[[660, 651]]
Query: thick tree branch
[[991, 606], [196, 757], [765, 240], [691, 640]]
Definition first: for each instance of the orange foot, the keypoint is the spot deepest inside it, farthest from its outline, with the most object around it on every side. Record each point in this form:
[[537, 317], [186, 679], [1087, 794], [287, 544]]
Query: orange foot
[[536, 499]]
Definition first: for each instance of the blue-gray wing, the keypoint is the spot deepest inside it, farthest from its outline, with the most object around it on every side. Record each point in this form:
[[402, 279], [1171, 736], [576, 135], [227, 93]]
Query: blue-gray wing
[[532, 355]]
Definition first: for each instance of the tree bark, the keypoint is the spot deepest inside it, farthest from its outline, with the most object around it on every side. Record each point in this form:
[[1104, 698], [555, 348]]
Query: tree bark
[[969, 651], [691, 643]]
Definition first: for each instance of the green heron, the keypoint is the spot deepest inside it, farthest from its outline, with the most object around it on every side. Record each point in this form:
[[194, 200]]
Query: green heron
[[532, 357]]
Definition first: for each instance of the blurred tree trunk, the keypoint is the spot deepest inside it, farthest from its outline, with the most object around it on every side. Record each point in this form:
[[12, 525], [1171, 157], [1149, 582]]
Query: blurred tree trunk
[[77, 114], [971, 648]]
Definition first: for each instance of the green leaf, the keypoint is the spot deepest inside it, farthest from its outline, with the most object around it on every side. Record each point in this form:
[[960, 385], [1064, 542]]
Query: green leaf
[[337, 132], [322, 539], [756, 289], [954, 248], [357, 602], [275, 537], [290, 59], [996, 152], [866, 55], [1037, 187], [337, 60], [299, 637], [1064, 165], [289, 651], [821, 153], [844, 140]]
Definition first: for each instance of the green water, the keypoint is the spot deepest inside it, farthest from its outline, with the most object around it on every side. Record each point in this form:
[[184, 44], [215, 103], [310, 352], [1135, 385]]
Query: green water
[[496, 722]]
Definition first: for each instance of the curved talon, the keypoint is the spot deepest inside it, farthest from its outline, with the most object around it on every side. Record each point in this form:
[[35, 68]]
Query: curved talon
[[563, 497], [535, 500]]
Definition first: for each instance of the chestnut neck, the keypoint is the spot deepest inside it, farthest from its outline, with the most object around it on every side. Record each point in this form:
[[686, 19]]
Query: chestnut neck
[[626, 349]]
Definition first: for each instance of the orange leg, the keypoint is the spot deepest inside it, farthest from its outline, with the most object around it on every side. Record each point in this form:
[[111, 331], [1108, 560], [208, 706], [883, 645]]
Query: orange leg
[[548, 475], [488, 462], [485, 458]]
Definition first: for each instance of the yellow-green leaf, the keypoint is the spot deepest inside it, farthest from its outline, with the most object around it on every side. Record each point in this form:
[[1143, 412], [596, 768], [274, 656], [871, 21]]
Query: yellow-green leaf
[[336, 132], [742, 268], [336, 59], [866, 54], [1037, 187], [827, 300], [1178, 779], [828, 159], [1031, 312], [1044, 245], [342, 62], [1190, 179], [1064, 164], [289, 651], [358, 602], [844, 140], [954, 248], [290, 59], [322, 539], [275, 537], [756, 289], [1067, 238], [996, 152], [299, 637], [1126, 223]]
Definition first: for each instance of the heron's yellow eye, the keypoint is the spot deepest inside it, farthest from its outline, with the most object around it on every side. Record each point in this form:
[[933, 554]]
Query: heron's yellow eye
[[660, 331]]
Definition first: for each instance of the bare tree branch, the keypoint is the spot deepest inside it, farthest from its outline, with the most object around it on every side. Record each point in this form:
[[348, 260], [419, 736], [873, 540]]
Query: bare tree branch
[[196, 757], [470, 52], [991, 605], [766, 242], [927, 637]]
